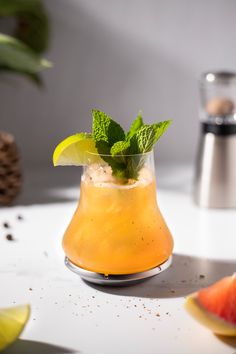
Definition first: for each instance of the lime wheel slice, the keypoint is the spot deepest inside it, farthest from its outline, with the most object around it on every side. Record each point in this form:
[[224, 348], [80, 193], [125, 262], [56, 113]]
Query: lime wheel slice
[[76, 150], [12, 323]]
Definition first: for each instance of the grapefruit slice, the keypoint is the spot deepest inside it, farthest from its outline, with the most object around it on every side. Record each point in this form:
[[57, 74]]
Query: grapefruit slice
[[215, 306], [12, 323]]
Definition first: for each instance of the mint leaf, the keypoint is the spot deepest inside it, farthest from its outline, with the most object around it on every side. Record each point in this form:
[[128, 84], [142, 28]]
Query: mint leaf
[[143, 140], [120, 148], [146, 138], [103, 147], [118, 166], [160, 128], [106, 132], [134, 165], [106, 129], [135, 126], [140, 143]]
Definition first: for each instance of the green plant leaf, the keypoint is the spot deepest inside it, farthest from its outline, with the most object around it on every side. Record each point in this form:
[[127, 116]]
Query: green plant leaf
[[106, 132], [160, 128], [118, 166], [106, 129], [120, 148], [32, 24], [17, 56], [135, 126], [143, 140]]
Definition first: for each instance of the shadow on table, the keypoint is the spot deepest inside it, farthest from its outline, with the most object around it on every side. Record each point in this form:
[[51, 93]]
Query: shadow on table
[[186, 275], [230, 341], [22, 346]]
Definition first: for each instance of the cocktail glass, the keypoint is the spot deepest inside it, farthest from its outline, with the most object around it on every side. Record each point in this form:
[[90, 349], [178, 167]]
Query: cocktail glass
[[117, 227]]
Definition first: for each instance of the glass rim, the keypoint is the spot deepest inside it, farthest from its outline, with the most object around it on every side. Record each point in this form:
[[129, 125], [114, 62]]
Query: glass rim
[[126, 155]]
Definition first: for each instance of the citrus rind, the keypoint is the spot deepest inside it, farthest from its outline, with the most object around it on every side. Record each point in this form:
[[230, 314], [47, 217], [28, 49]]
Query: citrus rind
[[12, 323], [215, 323]]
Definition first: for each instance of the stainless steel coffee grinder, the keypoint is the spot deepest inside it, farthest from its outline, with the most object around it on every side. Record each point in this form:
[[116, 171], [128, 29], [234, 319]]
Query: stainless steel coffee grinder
[[215, 174]]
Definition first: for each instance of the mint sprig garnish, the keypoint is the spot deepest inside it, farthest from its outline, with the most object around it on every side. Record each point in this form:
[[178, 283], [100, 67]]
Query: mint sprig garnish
[[119, 149], [160, 128], [135, 126], [106, 129]]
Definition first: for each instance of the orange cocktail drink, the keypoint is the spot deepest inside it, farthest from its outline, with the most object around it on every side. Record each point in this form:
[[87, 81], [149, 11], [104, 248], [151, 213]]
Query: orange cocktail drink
[[118, 227]]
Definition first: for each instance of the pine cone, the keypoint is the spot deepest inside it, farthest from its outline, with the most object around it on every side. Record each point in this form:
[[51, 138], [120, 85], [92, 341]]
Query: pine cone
[[10, 169]]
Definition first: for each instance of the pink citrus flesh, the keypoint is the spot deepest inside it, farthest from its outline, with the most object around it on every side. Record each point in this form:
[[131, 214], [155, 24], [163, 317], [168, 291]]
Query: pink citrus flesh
[[215, 306]]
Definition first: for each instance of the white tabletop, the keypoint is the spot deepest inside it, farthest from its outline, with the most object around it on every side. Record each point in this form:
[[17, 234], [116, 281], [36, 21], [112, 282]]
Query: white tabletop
[[71, 316]]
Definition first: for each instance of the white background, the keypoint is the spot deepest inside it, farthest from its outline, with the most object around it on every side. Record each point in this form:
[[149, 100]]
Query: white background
[[121, 56]]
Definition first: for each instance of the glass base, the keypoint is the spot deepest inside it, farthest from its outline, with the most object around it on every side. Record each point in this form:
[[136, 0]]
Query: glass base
[[116, 280]]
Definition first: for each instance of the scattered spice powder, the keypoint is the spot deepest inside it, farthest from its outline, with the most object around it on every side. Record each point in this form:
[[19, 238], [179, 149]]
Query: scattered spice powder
[[20, 217], [30, 289], [6, 225], [201, 276]]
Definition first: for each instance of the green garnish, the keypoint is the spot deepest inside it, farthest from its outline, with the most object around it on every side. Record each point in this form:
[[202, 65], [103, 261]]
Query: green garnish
[[135, 126], [115, 147], [124, 152]]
